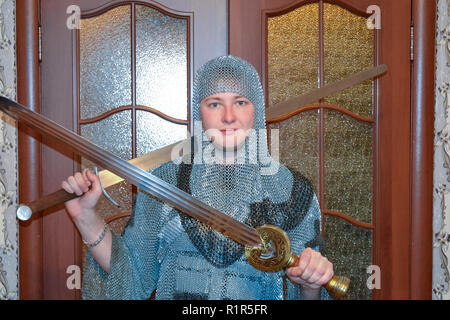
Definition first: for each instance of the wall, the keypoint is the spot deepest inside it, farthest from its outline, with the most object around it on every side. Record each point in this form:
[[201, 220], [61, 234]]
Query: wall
[[441, 192], [8, 157]]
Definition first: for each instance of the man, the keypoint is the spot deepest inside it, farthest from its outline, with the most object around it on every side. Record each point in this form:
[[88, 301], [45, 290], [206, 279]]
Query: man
[[231, 170]]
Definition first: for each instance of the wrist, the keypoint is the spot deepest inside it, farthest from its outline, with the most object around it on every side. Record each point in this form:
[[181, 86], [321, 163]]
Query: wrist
[[309, 293], [92, 244], [90, 225], [86, 217]]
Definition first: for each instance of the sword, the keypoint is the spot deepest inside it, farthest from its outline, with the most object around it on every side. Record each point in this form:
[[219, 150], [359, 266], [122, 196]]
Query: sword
[[155, 158], [268, 239]]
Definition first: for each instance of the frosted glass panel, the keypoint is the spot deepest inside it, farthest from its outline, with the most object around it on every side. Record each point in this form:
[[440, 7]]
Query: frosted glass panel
[[298, 138], [105, 62], [293, 48], [348, 166], [293, 65], [112, 134], [154, 133], [161, 62], [350, 250], [348, 49]]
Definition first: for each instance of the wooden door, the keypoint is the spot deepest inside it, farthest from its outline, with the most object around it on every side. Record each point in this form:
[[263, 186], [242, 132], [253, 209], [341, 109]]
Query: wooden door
[[120, 76], [400, 126], [358, 146]]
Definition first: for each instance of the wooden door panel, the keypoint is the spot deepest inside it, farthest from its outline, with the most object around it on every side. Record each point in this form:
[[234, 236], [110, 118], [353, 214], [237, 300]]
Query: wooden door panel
[[61, 245], [391, 216]]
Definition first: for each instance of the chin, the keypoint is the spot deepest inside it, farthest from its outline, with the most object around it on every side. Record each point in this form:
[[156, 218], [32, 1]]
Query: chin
[[229, 147], [226, 143]]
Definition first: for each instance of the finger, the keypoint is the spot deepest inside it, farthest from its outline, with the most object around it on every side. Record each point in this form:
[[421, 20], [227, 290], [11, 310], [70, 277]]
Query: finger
[[74, 185], [81, 182], [294, 272], [66, 187], [318, 270], [315, 268], [326, 278], [304, 261], [86, 179]]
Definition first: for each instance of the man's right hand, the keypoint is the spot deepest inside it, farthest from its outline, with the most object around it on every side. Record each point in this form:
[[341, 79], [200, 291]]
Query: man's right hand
[[79, 184]]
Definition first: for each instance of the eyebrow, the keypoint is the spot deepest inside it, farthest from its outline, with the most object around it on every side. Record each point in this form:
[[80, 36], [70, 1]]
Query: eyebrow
[[212, 99], [220, 99]]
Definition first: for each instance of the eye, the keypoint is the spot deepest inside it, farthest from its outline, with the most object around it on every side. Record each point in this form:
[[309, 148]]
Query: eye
[[213, 105], [241, 102]]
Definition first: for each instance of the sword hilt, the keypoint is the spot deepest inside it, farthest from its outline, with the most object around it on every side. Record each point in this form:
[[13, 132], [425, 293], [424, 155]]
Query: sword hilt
[[337, 286], [25, 211], [275, 254]]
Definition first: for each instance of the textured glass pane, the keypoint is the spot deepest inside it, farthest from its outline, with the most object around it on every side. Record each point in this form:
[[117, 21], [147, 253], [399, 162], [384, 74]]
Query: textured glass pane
[[161, 62], [154, 133], [122, 194], [348, 166], [349, 248], [299, 144], [348, 49], [105, 62], [293, 53], [112, 134]]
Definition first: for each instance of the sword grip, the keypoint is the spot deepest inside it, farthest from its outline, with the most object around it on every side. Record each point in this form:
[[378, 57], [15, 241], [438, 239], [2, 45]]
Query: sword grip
[[337, 286], [25, 211]]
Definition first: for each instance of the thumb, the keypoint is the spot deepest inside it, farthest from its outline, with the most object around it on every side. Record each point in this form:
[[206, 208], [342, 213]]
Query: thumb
[[95, 181]]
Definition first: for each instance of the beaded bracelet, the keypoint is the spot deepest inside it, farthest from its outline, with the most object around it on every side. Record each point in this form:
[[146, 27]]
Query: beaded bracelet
[[100, 238]]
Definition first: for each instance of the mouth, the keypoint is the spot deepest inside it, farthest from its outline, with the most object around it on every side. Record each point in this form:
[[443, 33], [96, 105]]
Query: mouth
[[228, 132]]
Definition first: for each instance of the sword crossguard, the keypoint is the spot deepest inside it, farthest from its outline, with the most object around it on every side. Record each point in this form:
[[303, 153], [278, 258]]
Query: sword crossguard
[[107, 196], [275, 254]]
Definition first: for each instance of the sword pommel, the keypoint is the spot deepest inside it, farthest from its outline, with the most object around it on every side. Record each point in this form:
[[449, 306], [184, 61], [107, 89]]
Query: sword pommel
[[23, 212]]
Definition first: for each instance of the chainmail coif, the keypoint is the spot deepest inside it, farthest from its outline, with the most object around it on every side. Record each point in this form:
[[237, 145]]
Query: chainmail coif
[[181, 258]]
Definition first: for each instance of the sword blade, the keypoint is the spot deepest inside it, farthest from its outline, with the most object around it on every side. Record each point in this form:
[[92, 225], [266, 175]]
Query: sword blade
[[155, 186], [274, 113]]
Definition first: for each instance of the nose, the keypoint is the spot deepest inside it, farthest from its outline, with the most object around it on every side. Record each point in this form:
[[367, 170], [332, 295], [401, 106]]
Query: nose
[[228, 115]]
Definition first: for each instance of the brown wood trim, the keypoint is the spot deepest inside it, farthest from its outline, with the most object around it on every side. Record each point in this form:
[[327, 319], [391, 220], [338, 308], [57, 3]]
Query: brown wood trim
[[348, 219], [133, 83], [189, 63], [28, 94], [321, 127], [137, 107], [392, 225], [316, 106], [120, 215], [76, 80], [293, 6], [375, 150], [117, 3], [422, 117]]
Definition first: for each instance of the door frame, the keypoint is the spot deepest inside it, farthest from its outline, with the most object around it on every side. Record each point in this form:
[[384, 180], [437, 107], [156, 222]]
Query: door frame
[[405, 250]]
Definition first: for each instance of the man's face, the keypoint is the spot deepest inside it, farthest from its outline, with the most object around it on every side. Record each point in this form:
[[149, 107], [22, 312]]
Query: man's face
[[227, 119]]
